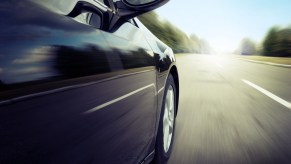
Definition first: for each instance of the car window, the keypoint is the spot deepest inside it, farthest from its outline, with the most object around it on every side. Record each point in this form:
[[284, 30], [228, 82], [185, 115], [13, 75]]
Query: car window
[[89, 18], [83, 17], [95, 20]]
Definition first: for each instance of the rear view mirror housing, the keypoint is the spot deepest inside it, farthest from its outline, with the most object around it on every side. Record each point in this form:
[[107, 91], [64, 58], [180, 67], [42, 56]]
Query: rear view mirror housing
[[132, 8]]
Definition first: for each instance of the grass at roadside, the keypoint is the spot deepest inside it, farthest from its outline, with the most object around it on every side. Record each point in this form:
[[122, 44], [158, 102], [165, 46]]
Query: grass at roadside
[[276, 60]]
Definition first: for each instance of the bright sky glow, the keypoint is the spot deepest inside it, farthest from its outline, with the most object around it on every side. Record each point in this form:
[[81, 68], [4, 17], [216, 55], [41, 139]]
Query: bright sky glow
[[224, 23]]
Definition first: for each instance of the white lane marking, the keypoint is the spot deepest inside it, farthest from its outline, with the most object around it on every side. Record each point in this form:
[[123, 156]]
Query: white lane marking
[[118, 99], [269, 94]]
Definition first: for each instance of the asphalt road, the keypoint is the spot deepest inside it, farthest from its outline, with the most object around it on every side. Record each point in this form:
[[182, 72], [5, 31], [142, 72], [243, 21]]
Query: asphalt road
[[232, 111]]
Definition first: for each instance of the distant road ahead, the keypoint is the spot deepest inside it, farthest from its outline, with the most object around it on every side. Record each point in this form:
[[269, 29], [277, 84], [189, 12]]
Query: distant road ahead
[[232, 111]]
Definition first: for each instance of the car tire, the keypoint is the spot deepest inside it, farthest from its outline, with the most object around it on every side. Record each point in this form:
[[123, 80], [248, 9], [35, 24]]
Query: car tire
[[165, 136]]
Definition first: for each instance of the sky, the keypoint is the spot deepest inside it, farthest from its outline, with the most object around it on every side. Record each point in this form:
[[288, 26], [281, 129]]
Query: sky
[[224, 23]]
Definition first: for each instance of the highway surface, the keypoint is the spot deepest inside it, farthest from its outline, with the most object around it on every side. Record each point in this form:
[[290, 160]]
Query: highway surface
[[232, 111]]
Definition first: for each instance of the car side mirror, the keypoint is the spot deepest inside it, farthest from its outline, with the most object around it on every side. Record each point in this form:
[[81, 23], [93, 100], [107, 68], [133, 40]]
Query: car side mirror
[[132, 8]]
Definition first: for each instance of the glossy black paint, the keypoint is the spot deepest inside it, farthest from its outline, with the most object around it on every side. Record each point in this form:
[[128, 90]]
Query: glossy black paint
[[54, 69]]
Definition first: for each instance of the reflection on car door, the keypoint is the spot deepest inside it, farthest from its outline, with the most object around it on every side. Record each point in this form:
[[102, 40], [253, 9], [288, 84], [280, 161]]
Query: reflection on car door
[[78, 95], [132, 54]]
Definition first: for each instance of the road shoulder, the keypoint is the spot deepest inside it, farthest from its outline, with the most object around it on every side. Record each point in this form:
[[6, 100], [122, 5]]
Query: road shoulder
[[274, 61]]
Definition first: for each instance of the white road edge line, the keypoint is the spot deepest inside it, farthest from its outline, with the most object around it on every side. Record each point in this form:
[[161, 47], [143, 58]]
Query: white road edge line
[[118, 99], [268, 63], [269, 94]]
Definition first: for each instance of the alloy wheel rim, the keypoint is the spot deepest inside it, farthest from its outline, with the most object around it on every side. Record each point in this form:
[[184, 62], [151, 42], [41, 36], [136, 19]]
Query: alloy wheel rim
[[168, 118]]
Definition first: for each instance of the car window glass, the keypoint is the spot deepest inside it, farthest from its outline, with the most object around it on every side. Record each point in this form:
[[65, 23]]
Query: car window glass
[[95, 21], [89, 18], [83, 17]]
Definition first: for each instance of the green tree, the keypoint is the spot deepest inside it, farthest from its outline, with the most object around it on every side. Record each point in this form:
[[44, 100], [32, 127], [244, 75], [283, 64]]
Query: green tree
[[194, 43], [283, 45], [278, 42], [170, 34], [270, 42], [248, 47]]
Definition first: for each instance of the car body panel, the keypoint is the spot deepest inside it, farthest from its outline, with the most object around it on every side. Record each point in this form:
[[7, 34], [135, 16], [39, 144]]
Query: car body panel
[[71, 93], [165, 61]]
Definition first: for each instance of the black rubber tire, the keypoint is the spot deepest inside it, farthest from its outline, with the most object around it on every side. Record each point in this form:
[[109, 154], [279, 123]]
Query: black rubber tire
[[160, 155]]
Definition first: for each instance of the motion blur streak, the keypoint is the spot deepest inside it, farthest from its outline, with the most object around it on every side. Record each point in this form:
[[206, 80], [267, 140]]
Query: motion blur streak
[[223, 120]]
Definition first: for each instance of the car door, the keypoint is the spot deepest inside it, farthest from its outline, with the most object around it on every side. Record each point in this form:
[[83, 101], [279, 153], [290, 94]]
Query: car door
[[133, 54], [71, 93]]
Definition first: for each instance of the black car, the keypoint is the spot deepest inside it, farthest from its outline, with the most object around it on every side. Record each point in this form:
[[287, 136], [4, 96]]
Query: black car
[[84, 81]]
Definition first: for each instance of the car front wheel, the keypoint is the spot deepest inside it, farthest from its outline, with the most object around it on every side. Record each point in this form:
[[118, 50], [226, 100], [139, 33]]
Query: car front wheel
[[167, 123]]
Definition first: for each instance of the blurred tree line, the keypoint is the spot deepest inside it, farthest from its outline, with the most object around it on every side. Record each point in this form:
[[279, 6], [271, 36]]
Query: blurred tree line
[[248, 47], [173, 36], [277, 43]]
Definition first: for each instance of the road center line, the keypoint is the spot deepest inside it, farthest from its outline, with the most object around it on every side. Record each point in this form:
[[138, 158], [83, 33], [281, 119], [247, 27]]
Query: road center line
[[269, 94]]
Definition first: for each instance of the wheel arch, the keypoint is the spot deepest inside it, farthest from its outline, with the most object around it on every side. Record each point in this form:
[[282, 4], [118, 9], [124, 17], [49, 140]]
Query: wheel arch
[[174, 73]]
